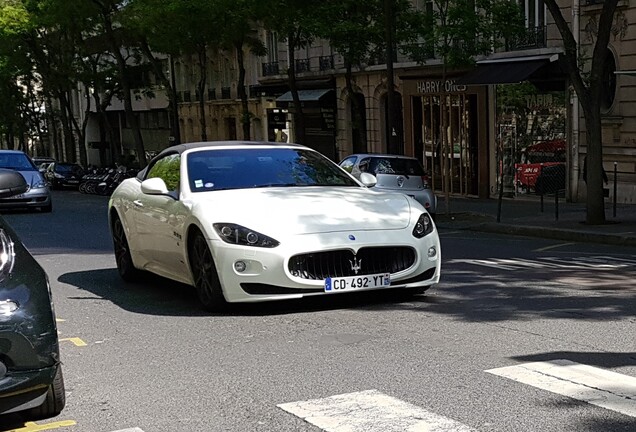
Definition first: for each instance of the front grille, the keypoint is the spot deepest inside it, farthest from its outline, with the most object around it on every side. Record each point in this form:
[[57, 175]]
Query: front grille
[[341, 263]]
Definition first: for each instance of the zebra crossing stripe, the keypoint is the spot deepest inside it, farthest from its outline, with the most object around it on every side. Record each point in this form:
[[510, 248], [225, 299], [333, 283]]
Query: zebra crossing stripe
[[369, 411], [135, 429], [600, 387]]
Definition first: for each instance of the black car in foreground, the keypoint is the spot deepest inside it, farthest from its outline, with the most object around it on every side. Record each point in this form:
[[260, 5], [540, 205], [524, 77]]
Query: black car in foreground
[[31, 381]]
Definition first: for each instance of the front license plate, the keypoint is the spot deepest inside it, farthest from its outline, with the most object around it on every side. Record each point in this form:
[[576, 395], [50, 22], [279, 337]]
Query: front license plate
[[352, 283]]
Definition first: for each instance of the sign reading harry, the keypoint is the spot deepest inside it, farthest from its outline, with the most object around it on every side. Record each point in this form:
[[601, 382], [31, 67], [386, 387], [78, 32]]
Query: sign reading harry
[[448, 86]]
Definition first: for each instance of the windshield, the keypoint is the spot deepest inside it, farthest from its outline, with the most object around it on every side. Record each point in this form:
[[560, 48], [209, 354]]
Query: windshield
[[388, 165], [68, 168], [16, 161], [262, 167]]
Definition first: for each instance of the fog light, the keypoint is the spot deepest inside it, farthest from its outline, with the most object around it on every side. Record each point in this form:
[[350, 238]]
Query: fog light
[[240, 266], [432, 252], [7, 307]]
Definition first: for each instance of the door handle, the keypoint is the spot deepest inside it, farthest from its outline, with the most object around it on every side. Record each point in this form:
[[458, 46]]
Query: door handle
[[138, 203]]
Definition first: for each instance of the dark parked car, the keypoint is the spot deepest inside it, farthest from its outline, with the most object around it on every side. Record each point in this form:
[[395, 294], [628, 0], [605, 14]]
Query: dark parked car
[[551, 180], [64, 174], [31, 379], [38, 194], [39, 160]]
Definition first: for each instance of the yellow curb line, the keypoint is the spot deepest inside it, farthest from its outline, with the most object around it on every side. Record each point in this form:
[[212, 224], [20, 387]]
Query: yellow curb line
[[34, 427], [77, 341]]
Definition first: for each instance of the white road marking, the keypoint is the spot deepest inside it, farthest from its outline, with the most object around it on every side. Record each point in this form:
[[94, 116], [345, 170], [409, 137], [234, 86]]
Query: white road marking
[[370, 411], [600, 387], [543, 249], [557, 263], [135, 429]]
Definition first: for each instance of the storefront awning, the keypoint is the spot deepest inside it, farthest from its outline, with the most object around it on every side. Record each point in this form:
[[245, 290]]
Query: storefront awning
[[505, 70], [313, 95]]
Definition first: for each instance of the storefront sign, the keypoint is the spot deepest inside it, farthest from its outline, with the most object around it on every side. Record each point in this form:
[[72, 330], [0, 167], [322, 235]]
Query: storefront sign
[[439, 87]]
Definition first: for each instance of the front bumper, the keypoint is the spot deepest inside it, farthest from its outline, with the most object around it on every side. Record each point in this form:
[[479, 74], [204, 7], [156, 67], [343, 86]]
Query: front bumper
[[40, 197], [267, 276], [24, 390]]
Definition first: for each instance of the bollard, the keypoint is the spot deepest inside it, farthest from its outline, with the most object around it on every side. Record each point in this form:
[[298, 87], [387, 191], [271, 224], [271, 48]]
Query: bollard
[[615, 186]]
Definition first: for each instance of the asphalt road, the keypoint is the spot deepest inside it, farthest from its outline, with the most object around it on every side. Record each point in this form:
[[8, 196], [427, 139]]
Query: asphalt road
[[146, 356]]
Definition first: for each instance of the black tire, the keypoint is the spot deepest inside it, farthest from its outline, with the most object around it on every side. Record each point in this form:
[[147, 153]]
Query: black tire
[[125, 267], [55, 398], [204, 274]]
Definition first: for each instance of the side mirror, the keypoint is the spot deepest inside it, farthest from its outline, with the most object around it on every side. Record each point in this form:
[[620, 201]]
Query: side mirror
[[367, 179], [154, 186], [12, 183]]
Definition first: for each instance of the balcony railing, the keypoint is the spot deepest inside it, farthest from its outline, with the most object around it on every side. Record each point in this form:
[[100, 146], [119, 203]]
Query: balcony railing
[[226, 92], [270, 69], [302, 65], [534, 37], [325, 62]]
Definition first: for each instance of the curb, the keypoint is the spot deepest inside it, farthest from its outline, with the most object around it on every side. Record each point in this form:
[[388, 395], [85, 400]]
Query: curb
[[556, 234]]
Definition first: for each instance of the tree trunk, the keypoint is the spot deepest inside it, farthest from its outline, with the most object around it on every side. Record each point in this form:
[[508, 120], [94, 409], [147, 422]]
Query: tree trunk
[[171, 91], [299, 118], [203, 69], [358, 118], [131, 118], [245, 115], [68, 146]]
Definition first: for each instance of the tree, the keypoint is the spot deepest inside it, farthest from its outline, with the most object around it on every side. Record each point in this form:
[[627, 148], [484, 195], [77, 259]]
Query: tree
[[109, 14], [295, 23], [587, 81], [180, 29], [352, 31], [457, 32], [238, 30]]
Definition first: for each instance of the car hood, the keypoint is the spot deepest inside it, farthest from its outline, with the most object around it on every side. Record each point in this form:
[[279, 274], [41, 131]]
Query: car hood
[[306, 210], [31, 177]]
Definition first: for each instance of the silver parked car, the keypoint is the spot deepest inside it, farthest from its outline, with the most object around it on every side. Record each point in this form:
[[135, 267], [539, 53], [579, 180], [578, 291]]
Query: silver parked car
[[396, 173], [38, 194]]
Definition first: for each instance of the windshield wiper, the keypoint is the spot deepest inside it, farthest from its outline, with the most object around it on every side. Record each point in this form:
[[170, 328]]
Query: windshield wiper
[[266, 185]]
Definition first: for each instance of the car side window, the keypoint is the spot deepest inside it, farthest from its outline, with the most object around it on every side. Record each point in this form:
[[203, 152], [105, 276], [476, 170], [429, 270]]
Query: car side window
[[364, 165], [348, 164], [168, 169]]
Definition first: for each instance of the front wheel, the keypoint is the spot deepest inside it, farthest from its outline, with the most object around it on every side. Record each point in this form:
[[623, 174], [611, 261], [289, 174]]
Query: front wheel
[[206, 278], [124, 261], [55, 398]]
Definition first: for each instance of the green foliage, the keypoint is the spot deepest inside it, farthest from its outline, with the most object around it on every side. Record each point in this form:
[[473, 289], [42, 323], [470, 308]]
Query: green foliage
[[168, 170], [459, 30]]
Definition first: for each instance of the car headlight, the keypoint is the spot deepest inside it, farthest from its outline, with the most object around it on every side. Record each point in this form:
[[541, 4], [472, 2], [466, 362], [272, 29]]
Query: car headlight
[[40, 183], [239, 235], [7, 254], [7, 307], [56, 175], [423, 227]]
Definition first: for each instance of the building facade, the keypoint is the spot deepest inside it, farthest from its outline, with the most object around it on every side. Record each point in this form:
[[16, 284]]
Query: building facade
[[505, 120]]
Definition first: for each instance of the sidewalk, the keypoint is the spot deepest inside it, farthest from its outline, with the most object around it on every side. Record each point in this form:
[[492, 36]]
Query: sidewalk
[[524, 217]]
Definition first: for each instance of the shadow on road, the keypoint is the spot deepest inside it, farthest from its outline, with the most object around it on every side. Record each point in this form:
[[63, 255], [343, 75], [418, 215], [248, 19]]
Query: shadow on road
[[160, 296]]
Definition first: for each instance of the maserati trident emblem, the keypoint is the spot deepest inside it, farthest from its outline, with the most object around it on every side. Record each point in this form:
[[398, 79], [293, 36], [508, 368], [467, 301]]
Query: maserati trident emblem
[[356, 265], [400, 181]]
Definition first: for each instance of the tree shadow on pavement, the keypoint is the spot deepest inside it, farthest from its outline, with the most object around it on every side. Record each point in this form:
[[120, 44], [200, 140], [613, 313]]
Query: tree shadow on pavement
[[159, 296]]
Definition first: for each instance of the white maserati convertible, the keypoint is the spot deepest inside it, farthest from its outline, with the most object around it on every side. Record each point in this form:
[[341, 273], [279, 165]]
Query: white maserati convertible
[[257, 221]]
